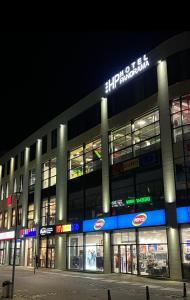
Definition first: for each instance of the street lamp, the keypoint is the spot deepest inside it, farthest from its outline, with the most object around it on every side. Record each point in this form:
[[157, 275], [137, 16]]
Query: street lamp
[[17, 196]]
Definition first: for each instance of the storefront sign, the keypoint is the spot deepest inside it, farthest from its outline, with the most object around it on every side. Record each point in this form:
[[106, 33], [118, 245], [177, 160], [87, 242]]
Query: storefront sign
[[100, 224], [46, 230], [146, 199], [27, 233], [150, 218], [139, 219], [9, 200], [131, 164], [9, 235], [183, 214], [67, 228], [129, 72]]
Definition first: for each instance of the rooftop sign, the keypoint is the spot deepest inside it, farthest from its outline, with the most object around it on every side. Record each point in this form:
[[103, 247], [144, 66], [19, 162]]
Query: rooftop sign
[[129, 72]]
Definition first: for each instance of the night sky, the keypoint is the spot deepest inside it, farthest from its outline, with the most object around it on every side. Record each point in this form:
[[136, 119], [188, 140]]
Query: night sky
[[42, 74]]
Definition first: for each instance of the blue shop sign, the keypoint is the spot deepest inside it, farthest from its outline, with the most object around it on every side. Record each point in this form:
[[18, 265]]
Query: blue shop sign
[[150, 218], [100, 224], [27, 233], [183, 214]]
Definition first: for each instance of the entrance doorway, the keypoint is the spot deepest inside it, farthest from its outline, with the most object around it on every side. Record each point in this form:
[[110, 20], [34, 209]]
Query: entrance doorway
[[125, 259]]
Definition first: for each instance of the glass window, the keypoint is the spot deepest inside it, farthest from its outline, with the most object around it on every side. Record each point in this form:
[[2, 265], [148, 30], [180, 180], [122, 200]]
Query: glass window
[[124, 237], [94, 252], [30, 215], [32, 180], [2, 193], [54, 138], [49, 173], [15, 186], [145, 137], [1, 220], [13, 219], [21, 183], [19, 215], [48, 211], [5, 219], [75, 251], [7, 190], [153, 252], [185, 250], [12, 245]]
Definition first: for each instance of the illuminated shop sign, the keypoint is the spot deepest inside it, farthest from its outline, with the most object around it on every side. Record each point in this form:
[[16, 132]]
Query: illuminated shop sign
[[121, 203], [31, 232], [100, 224], [9, 200], [150, 218], [129, 72], [9, 235], [47, 230], [146, 199], [183, 214], [67, 228]]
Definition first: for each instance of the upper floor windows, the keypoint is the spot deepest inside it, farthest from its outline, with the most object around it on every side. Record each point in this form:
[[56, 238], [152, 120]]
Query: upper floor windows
[[44, 144], [2, 193], [54, 138], [22, 158], [15, 186], [8, 166], [32, 151], [49, 173], [5, 219], [180, 118], [1, 220], [16, 162], [13, 219], [30, 215], [137, 137], [32, 179], [21, 183], [85, 159], [7, 190]]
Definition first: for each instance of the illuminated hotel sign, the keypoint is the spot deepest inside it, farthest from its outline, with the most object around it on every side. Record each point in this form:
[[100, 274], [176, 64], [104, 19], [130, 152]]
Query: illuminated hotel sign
[[27, 233], [9, 235], [129, 72], [149, 218], [67, 228]]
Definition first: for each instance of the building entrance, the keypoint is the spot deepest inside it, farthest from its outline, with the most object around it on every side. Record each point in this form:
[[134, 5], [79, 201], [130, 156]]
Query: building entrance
[[125, 259]]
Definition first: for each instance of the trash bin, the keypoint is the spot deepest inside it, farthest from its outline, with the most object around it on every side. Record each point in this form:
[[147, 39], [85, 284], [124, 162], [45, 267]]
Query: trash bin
[[7, 286]]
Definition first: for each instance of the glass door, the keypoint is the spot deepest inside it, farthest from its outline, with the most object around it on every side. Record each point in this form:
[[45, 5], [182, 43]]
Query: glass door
[[123, 262]]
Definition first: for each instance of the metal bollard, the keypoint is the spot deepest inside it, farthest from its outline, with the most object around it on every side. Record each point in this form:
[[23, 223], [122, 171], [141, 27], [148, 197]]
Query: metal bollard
[[147, 293], [184, 290], [109, 295]]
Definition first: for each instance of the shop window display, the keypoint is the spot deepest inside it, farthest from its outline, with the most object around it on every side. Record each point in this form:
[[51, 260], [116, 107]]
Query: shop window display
[[153, 252], [2, 252], [94, 252], [185, 250], [12, 244], [75, 252]]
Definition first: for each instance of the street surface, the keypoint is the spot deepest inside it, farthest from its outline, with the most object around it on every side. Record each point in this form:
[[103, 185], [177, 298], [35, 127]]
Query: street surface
[[58, 285]]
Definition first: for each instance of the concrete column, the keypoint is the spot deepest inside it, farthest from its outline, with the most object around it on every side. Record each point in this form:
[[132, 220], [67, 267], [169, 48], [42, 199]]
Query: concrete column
[[105, 181], [0, 177], [25, 187], [168, 172], [61, 181], [11, 183], [22, 252], [37, 190], [61, 254], [61, 195], [107, 253], [7, 254]]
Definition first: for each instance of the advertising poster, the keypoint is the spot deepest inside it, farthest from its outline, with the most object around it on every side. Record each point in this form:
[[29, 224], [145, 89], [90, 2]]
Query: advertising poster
[[91, 257]]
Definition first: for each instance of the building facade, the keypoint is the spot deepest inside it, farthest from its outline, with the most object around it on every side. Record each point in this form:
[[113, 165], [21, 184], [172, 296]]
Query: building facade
[[105, 185]]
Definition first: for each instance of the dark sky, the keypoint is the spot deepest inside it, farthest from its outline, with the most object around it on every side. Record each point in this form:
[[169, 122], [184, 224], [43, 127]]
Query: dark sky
[[44, 73]]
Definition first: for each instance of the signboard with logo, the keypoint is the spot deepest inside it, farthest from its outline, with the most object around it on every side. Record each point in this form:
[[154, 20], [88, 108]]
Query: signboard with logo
[[47, 230], [150, 218], [100, 224], [75, 227], [9, 235], [28, 233], [127, 73], [183, 214]]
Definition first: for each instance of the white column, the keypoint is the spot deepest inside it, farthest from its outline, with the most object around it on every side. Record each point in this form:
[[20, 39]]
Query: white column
[[37, 191], [25, 188], [61, 195], [105, 181], [11, 183], [168, 172]]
